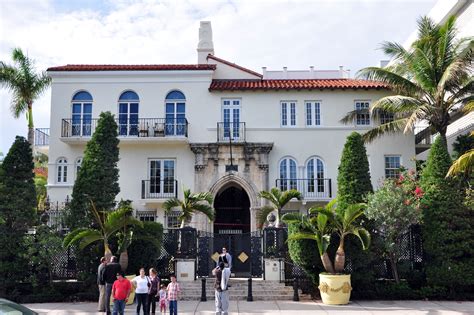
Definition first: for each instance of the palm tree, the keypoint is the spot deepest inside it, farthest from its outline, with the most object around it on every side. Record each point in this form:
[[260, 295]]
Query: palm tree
[[25, 84], [463, 165], [109, 224], [430, 80], [278, 201], [323, 222], [192, 202]]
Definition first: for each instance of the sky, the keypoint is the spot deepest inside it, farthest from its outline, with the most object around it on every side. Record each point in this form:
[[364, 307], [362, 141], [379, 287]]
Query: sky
[[252, 33]]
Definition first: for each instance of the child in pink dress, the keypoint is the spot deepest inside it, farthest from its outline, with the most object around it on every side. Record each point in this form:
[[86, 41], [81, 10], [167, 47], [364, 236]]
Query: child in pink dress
[[162, 295]]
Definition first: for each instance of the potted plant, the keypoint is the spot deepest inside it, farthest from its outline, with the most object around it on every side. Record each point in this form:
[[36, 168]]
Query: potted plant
[[323, 223]]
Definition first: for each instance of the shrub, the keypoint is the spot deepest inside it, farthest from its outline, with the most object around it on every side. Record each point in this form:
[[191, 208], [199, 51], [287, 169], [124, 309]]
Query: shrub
[[146, 246], [447, 231]]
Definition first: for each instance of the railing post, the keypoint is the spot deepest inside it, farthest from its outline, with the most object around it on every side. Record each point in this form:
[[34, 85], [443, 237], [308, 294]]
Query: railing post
[[249, 293], [295, 290], [143, 189], [330, 188], [203, 290]]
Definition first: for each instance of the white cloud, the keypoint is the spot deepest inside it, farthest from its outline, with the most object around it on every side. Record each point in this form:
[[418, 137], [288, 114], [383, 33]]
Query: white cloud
[[296, 34]]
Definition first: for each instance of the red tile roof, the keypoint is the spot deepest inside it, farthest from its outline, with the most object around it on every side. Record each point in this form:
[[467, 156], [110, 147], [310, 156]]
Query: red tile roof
[[234, 65], [132, 67], [306, 84]]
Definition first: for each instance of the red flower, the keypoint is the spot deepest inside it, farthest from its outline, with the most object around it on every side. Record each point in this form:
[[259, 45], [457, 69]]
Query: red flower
[[401, 177], [418, 192]]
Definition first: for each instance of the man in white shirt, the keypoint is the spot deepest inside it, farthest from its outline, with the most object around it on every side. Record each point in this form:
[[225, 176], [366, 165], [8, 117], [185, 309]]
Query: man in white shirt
[[226, 258]]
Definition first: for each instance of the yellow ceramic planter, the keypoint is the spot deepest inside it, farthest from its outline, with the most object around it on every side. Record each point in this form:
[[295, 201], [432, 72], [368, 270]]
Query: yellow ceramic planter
[[335, 289]]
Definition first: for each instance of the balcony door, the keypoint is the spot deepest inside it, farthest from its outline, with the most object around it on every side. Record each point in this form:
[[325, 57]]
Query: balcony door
[[175, 114], [288, 174], [128, 114], [81, 114], [162, 178], [231, 118], [315, 185]]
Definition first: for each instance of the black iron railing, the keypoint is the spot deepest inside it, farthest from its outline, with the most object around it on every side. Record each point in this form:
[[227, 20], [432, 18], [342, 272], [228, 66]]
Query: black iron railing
[[310, 188], [159, 189], [42, 137], [424, 136], [130, 127], [231, 131]]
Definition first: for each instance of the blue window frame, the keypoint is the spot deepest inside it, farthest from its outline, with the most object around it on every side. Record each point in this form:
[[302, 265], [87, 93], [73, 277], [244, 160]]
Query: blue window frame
[[128, 113], [81, 114], [175, 106], [288, 174]]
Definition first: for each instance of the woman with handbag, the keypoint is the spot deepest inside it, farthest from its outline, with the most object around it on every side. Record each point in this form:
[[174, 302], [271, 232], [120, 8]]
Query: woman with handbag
[[153, 291], [141, 284]]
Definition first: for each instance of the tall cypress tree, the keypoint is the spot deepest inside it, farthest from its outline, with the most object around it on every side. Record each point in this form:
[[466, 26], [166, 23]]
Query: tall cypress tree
[[353, 179], [448, 235], [17, 210], [98, 176], [353, 185]]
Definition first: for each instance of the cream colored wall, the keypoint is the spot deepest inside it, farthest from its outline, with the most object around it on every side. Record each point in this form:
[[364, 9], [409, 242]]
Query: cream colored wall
[[260, 110]]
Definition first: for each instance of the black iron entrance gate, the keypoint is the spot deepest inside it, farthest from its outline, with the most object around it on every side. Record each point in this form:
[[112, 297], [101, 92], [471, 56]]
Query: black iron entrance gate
[[245, 249]]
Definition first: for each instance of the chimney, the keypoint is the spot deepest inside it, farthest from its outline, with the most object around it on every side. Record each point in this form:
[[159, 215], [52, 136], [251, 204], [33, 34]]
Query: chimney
[[205, 45], [264, 72], [285, 72], [311, 72]]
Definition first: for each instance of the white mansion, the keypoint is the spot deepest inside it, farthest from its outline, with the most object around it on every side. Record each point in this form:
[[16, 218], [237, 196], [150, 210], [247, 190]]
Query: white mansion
[[218, 127]]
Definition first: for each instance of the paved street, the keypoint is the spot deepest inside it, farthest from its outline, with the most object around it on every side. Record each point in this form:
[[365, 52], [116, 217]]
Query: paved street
[[284, 308]]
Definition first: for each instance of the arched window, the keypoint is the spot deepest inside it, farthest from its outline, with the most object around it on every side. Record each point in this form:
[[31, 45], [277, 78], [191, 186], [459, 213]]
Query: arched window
[[288, 174], [315, 182], [62, 170], [175, 104], [81, 114], [128, 113], [78, 165]]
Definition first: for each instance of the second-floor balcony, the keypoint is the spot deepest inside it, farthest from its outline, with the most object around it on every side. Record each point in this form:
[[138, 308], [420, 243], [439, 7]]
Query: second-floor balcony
[[310, 188], [230, 131], [157, 188], [138, 128], [42, 140]]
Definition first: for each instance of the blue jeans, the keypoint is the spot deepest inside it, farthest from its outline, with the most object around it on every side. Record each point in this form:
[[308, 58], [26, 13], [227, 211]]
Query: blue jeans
[[119, 307], [108, 293], [173, 307]]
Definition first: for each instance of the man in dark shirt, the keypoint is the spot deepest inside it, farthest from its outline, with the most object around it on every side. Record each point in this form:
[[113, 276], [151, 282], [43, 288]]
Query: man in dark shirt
[[109, 276], [101, 284], [221, 282]]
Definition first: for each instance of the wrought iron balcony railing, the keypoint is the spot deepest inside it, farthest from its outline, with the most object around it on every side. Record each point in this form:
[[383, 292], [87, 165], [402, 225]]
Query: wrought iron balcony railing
[[159, 189], [310, 188], [41, 137], [231, 131], [131, 127]]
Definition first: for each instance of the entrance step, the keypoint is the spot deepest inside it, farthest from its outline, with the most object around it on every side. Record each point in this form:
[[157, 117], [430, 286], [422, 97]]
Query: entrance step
[[261, 290]]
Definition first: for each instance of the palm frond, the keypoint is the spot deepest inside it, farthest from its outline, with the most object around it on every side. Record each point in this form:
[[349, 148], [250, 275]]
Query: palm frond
[[67, 242], [88, 237], [270, 196], [398, 83], [292, 218], [169, 204], [392, 127], [286, 196], [464, 164], [363, 235], [351, 116], [205, 209]]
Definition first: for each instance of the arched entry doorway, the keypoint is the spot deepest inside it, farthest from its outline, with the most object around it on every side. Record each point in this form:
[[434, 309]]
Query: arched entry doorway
[[232, 227], [232, 205]]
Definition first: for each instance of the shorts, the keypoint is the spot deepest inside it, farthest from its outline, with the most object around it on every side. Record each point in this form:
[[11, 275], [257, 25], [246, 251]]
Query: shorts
[[162, 303]]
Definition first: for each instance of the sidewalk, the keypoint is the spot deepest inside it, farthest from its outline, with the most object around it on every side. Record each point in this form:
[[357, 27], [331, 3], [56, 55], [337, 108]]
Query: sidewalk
[[283, 308]]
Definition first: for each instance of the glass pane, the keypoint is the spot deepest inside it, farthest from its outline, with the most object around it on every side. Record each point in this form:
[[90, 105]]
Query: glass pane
[[181, 107], [87, 108], [76, 108], [175, 95], [134, 108], [82, 96], [129, 95]]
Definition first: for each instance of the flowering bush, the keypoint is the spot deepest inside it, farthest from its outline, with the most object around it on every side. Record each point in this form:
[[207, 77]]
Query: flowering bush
[[394, 207]]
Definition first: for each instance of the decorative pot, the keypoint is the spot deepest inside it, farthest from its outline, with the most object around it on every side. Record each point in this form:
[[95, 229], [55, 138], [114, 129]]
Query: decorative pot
[[335, 289]]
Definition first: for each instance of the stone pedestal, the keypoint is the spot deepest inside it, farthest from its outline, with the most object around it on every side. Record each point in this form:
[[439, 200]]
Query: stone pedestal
[[185, 270], [274, 270]]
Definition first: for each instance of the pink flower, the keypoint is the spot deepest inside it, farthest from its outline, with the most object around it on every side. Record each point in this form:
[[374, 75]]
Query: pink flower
[[418, 192], [407, 202], [401, 177]]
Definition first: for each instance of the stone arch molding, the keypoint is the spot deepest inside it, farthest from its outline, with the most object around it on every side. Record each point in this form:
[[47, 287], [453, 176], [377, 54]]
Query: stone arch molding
[[249, 187]]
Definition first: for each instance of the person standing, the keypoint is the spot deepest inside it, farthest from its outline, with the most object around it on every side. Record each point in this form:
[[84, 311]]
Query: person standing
[[173, 295], [101, 284], [221, 283], [141, 283], [153, 291], [162, 295], [120, 293], [110, 276], [226, 258]]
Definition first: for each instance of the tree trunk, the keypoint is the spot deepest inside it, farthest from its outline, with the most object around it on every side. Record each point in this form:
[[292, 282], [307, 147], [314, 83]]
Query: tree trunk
[[107, 252], [31, 127], [393, 265], [123, 260], [340, 260], [327, 264], [277, 221]]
